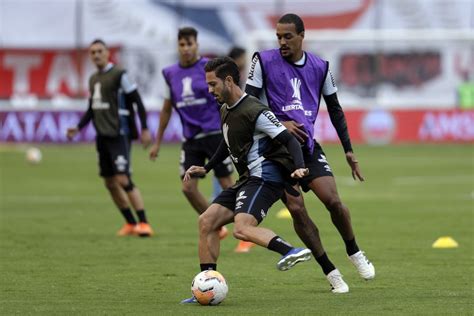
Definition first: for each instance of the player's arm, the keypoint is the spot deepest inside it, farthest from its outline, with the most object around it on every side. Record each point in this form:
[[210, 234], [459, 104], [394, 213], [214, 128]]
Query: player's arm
[[338, 120], [269, 124], [165, 116], [85, 119], [220, 155], [133, 97]]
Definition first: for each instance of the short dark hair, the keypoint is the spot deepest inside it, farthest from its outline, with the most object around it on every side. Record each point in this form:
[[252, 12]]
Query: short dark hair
[[223, 67], [236, 52], [186, 32], [291, 18], [98, 41]]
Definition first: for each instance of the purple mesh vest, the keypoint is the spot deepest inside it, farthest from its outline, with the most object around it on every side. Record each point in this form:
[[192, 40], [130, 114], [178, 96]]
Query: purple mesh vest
[[293, 92], [197, 108]]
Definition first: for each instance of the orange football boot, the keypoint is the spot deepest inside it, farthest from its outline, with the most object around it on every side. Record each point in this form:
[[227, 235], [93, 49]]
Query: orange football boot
[[244, 246], [127, 230], [143, 230]]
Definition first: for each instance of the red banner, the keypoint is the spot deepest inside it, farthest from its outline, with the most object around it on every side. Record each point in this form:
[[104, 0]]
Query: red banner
[[45, 73]]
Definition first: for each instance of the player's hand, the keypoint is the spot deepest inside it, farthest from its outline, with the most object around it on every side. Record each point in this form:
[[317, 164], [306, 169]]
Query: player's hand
[[354, 163], [295, 129], [145, 138], [300, 173], [71, 132], [154, 150], [194, 171]]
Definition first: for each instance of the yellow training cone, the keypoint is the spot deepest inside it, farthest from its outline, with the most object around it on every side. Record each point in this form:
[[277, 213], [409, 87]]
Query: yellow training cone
[[283, 213], [445, 242]]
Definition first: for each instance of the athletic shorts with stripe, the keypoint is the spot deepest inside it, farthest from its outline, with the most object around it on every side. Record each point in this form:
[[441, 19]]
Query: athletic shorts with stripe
[[254, 197], [318, 166]]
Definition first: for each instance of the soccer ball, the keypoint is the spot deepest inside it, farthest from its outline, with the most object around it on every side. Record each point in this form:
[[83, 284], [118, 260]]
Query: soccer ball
[[209, 287], [33, 155]]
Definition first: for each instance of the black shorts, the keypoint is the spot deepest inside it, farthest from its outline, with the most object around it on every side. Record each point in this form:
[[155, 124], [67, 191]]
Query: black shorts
[[196, 151], [318, 166], [114, 155], [254, 197]]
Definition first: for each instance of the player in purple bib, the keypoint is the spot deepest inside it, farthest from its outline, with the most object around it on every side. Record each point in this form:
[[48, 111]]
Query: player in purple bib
[[291, 81], [186, 92]]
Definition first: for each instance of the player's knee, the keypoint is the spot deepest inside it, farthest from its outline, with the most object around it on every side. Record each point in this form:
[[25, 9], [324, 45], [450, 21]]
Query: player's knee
[[240, 232], [111, 184], [128, 186], [335, 205], [296, 209], [189, 190], [205, 223]]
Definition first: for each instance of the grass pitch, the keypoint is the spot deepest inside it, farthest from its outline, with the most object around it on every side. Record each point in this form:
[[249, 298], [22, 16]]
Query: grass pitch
[[59, 254]]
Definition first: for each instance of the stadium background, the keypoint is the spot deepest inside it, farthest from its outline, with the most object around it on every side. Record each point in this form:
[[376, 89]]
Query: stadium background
[[405, 72]]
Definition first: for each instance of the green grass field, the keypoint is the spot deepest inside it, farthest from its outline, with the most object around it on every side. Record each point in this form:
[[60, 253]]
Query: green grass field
[[59, 254]]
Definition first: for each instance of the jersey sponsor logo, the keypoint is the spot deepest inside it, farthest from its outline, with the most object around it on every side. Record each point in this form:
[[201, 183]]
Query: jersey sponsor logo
[[262, 213], [252, 68], [295, 104], [187, 87], [292, 107], [225, 130], [97, 103], [272, 118], [296, 85], [187, 94]]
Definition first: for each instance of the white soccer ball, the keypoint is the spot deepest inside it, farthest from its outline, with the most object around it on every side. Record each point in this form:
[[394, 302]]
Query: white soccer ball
[[209, 287], [33, 155]]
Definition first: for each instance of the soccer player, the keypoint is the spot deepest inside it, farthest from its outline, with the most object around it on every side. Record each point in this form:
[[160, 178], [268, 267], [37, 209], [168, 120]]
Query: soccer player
[[238, 55], [291, 82], [265, 155], [112, 96], [187, 93]]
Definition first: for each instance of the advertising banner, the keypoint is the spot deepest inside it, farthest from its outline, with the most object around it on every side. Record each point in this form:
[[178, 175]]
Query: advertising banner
[[372, 127]]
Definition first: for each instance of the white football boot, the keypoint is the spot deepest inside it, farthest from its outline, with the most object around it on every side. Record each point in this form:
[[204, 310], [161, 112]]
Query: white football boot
[[337, 283], [363, 265]]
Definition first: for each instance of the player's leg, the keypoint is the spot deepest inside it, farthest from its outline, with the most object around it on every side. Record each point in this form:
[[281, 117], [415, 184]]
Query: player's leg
[[306, 229], [191, 154], [216, 215], [143, 228], [210, 223], [253, 201], [120, 152], [118, 195], [324, 187]]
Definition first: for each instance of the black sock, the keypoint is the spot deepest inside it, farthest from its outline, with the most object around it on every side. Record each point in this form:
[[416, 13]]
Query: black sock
[[127, 214], [141, 216], [279, 245], [325, 263], [351, 246], [208, 266]]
